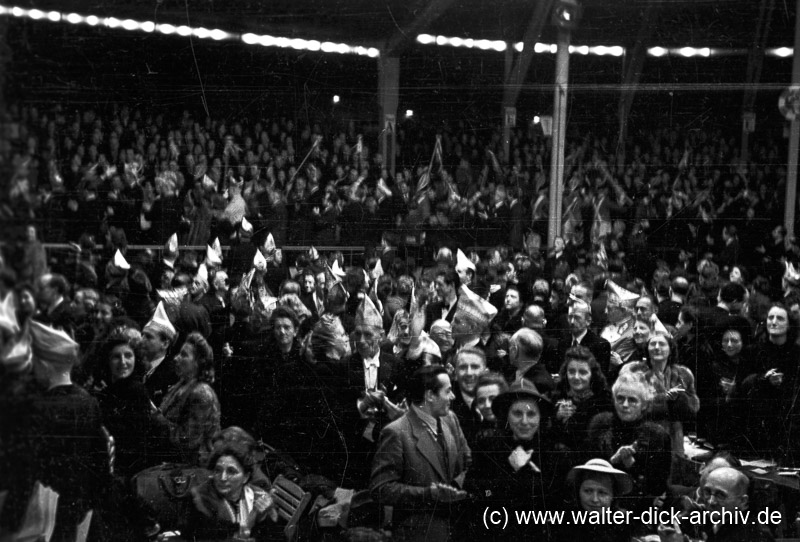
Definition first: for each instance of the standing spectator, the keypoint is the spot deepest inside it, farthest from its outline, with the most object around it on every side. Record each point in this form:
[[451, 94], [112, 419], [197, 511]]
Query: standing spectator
[[421, 461]]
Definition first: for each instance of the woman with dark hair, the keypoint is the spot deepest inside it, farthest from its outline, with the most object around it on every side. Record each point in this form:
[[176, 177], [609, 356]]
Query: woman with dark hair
[[675, 400], [228, 505], [581, 394], [718, 379], [191, 407], [127, 412], [489, 386], [519, 468]]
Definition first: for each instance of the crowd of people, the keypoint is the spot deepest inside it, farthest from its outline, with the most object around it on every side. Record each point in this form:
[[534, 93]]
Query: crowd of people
[[438, 388]]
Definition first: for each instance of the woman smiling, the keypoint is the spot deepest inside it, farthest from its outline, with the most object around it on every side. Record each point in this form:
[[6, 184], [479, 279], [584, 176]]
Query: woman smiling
[[630, 443], [518, 468], [675, 400], [127, 412], [582, 393]]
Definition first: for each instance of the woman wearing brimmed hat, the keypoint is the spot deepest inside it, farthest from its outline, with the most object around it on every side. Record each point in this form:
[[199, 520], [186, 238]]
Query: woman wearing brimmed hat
[[519, 469], [597, 484]]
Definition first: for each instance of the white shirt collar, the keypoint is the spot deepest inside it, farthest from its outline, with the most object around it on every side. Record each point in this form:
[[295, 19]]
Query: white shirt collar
[[376, 361], [154, 366]]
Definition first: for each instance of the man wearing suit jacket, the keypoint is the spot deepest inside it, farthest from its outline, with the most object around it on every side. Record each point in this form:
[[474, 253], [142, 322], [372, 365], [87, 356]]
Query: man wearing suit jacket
[[447, 285], [421, 461], [157, 336], [372, 393], [579, 318]]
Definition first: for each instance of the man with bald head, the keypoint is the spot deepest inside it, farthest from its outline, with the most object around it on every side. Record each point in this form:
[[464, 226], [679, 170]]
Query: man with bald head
[[724, 496], [525, 353], [534, 318], [669, 309]]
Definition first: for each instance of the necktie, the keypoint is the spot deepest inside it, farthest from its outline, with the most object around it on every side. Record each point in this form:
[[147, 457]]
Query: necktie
[[574, 342], [442, 445]]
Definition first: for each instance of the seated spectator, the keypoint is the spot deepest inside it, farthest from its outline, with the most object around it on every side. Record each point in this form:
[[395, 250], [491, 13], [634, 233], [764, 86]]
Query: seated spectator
[[228, 504], [191, 408], [628, 441], [581, 394], [675, 400], [597, 486], [127, 412]]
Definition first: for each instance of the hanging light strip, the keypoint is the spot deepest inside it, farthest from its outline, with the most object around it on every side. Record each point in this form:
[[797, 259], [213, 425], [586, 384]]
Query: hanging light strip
[[182, 30]]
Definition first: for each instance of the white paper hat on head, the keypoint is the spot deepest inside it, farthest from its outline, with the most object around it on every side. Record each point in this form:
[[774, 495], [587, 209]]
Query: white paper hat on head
[[368, 315], [337, 270], [313, 254], [52, 346], [269, 245], [172, 244], [620, 297], [160, 322], [377, 271], [658, 326], [211, 257], [8, 315], [462, 262], [202, 273], [246, 226], [474, 308], [120, 261], [259, 261], [791, 274]]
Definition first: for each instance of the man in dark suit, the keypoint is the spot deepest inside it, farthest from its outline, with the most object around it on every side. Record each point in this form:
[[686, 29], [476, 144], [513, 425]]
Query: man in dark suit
[[470, 363], [534, 318], [157, 336], [56, 311], [372, 386], [421, 461], [447, 285], [525, 353], [579, 318], [669, 309], [724, 496]]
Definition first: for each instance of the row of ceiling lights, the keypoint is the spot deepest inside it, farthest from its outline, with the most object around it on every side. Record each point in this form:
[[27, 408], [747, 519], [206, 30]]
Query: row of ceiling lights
[[183, 30], [372, 52], [597, 50]]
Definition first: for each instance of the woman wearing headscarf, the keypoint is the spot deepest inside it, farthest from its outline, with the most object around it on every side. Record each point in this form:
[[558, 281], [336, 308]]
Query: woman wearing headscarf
[[718, 379]]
